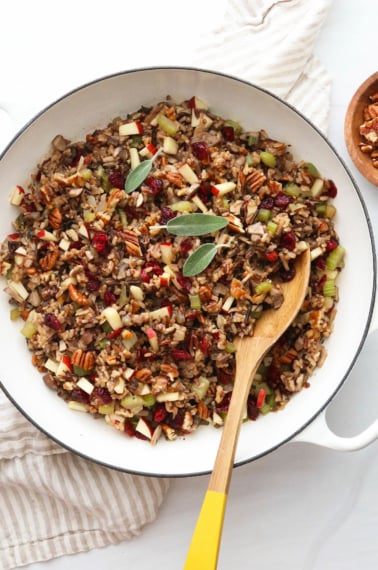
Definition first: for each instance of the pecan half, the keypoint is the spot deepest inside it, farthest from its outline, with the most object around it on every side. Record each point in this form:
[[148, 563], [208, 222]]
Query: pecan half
[[48, 261], [85, 360], [76, 296], [132, 243], [255, 180], [55, 218]]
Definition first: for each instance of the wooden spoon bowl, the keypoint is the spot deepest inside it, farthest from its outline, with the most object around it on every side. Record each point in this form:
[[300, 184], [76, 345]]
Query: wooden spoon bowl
[[353, 119]]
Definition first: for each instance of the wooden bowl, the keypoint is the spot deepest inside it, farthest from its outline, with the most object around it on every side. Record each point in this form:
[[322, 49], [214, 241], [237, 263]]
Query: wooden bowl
[[353, 119]]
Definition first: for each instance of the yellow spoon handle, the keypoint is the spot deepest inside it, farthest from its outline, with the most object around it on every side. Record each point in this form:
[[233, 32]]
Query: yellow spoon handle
[[204, 548]]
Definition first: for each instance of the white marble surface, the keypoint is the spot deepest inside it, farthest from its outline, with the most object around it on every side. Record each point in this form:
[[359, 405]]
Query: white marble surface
[[302, 507]]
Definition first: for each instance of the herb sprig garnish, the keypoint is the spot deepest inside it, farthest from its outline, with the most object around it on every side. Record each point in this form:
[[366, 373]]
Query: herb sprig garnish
[[188, 225], [191, 225], [139, 174]]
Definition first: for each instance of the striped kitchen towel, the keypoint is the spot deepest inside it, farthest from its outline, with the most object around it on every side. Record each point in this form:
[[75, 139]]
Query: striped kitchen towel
[[43, 513]]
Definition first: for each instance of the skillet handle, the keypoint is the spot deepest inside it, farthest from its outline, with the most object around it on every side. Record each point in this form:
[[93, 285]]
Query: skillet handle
[[319, 433]]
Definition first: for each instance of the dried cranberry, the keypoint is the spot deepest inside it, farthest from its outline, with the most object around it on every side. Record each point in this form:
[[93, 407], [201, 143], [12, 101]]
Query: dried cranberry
[[160, 413], [116, 179], [288, 241], [271, 256], [205, 345], [282, 201], [224, 377], [228, 133], [101, 395], [181, 354], [184, 282], [320, 263], [332, 189], [78, 395], [51, 321], [109, 298], [166, 214], [154, 184], [76, 244], [200, 150], [101, 243], [128, 428], [287, 274], [252, 409], [321, 282], [186, 245], [267, 203], [93, 283], [150, 268], [225, 403], [114, 333], [331, 244], [178, 420], [204, 192]]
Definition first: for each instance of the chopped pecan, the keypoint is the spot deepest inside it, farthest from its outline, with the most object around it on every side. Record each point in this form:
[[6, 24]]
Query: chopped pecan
[[55, 218], [175, 178], [132, 243], [203, 410], [46, 194], [235, 224], [255, 180], [48, 261], [205, 292], [76, 296], [85, 360], [143, 375]]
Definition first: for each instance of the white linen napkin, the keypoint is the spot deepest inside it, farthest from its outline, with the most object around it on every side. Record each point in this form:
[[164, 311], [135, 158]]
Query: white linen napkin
[[44, 513]]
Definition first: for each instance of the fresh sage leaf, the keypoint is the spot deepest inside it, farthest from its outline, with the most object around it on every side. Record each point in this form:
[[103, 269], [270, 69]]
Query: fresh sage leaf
[[196, 224], [140, 173], [199, 259]]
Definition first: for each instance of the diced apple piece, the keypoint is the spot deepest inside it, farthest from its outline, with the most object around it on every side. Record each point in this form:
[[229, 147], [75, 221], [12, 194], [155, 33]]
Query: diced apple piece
[[65, 365], [317, 187], [183, 206], [170, 146], [152, 339], [18, 289], [46, 235], [188, 173], [228, 304], [134, 158], [83, 231], [76, 406], [200, 205], [223, 188], [64, 244], [132, 128], [136, 292], [169, 396], [144, 428], [164, 280], [148, 151], [17, 195], [166, 250], [197, 103], [112, 316], [161, 313], [85, 385], [129, 373], [51, 365], [195, 119]]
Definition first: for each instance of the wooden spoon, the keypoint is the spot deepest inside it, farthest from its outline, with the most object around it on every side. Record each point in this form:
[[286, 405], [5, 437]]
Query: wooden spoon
[[204, 548]]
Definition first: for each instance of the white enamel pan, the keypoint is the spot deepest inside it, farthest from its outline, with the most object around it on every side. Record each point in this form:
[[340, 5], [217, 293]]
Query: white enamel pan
[[92, 106]]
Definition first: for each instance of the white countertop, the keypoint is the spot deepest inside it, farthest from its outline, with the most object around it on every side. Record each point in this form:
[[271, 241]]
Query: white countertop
[[301, 507]]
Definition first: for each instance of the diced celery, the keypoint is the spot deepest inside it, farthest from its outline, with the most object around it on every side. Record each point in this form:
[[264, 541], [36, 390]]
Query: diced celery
[[263, 287], [195, 301], [149, 400], [132, 402], [335, 258], [252, 139], [329, 288], [200, 387], [14, 314], [330, 211], [312, 169], [263, 215], [234, 124], [88, 216], [292, 189], [271, 227], [167, 125], [268, 159], [105, 184], [106, 409], [29, 329], [230, 348], [123, 218], [79, 371], [86, 173], [183, 206]]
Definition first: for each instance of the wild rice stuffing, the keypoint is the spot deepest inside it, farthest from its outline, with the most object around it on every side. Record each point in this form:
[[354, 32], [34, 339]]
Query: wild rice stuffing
[[112, 322]]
